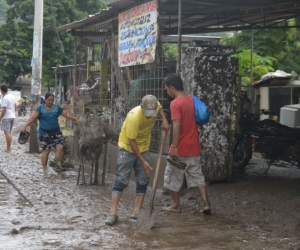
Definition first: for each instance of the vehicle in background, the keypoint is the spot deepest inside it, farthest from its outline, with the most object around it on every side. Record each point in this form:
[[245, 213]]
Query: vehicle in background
[[21, 107], [272, 139]]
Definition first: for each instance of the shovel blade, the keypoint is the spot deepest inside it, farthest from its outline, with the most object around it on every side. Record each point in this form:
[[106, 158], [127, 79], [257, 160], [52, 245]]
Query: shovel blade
[[146, 219]]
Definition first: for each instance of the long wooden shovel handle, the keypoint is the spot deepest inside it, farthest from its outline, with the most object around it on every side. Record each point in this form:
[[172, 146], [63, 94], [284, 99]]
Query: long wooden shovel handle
[[157, 167]]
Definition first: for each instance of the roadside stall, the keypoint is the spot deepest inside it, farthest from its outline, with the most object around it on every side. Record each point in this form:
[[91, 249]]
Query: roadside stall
[[126, 58]]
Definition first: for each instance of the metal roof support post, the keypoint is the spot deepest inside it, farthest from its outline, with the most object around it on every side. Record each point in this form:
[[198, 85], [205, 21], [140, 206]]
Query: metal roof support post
[[113, 84], [74, 75], [60, 89], [251, 58], [57, 84], [253, 97], [179, 36]]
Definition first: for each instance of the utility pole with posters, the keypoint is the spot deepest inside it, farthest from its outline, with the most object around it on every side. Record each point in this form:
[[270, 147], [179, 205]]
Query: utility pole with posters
[[36, 64]]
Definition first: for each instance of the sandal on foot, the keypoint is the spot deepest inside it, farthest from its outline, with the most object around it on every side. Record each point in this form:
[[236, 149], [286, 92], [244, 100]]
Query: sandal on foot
[[205, 211], [172, 210], [59, 169], [111, 219], [134, 216], [178, 164]]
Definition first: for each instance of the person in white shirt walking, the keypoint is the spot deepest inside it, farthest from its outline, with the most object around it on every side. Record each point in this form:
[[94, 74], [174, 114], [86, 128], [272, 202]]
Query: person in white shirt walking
[[7, 115]]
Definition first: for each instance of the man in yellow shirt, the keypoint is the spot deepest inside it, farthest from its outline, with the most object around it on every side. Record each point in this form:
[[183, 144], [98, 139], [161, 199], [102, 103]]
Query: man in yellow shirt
[[21, 101], [134, 142]]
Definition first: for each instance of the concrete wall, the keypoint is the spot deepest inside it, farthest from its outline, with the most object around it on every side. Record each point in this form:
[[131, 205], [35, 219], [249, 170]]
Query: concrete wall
[[25, 85], [210, 73]]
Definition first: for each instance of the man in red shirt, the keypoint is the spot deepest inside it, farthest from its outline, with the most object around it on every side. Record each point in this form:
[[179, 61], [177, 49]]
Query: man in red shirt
[[185, 148]]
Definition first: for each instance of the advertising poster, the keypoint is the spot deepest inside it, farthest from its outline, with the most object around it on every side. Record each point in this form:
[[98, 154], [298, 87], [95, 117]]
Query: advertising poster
[[138, 35]]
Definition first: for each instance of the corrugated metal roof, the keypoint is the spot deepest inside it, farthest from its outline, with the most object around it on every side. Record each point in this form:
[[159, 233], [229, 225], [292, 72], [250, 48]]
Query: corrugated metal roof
[[68, 67], [113, 9], [91, 19], [205, 15], [187, 38]]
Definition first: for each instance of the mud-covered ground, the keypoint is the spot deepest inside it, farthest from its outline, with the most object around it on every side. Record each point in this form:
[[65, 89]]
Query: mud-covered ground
[[252, 212]]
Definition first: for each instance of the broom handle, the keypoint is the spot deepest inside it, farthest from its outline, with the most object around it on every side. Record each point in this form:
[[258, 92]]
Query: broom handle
[[157, 167]]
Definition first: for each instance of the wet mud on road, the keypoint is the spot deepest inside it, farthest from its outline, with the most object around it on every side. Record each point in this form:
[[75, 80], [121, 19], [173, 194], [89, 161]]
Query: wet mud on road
[[253, 212]]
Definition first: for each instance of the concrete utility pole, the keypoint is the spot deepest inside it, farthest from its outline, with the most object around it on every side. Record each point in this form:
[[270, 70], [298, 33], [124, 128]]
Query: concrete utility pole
[[36, 64], [178, 70]]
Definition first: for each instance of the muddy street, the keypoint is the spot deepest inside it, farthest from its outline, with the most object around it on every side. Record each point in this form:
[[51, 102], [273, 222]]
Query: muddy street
[[253, 212]]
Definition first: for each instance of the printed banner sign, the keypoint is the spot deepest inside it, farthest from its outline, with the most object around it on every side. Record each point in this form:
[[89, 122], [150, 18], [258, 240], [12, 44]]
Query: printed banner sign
[[138, 34]]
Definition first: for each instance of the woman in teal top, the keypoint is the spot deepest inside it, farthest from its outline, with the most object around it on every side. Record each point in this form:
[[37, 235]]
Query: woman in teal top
[[49, 131]]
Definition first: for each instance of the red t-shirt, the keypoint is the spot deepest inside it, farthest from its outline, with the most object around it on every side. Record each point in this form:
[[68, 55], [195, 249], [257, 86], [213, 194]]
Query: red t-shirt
[[182, 108]]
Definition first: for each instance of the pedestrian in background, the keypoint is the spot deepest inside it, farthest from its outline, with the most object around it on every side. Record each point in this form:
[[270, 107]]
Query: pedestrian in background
[[185, 147], [49, 131], [134, 143], [42, 100], [7, 116]]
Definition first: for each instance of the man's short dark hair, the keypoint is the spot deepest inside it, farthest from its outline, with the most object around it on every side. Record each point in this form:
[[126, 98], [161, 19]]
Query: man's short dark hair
[[4, 88], [175, 81]]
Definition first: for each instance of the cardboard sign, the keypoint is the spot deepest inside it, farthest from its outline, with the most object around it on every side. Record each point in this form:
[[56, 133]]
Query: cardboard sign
[[138, 34]]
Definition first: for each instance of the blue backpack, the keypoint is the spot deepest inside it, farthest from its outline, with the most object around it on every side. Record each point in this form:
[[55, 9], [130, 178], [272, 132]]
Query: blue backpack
[[202, 113]]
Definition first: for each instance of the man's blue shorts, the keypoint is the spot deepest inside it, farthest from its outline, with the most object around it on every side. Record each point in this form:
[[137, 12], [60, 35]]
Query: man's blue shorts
[[126, 162]]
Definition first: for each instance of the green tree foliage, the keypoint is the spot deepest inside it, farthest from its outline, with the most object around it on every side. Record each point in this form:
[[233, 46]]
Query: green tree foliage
[[289, 56], [57, 46], [3, 8], [274, 49], [261, 65], [170, 51], [14, 58], [266, 42]]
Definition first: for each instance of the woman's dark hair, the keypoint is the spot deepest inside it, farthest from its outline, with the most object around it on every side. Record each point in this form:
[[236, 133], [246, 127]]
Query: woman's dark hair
[[175, 81], [48, 95]]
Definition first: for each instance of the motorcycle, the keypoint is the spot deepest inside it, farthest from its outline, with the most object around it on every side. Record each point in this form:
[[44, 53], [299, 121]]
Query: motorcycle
[[273, 140], [22, 109]]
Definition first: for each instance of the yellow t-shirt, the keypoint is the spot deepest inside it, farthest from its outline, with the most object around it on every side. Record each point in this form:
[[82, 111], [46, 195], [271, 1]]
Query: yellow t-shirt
[[138, 127], [21, 101]]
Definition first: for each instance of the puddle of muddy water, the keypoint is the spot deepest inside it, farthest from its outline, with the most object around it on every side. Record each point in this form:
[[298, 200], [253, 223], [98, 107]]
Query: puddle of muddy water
[[72, 217], [10, 206]]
